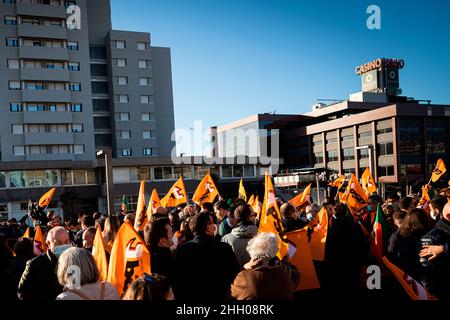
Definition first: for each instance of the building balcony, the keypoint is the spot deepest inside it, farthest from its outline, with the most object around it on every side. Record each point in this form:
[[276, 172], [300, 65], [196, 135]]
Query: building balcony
[[44, 74], [50, 157], [46, 96], [26, 52], [48, 138], [47, 117], [38, 31], [41, 10]]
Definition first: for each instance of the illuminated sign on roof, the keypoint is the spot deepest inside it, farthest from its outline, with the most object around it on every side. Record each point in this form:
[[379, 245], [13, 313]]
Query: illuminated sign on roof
[[379, 64]]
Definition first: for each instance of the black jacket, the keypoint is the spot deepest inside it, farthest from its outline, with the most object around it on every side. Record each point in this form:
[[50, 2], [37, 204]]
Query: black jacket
[[436, 273], [205, 269], [39, 281], [162, 262], [14, 272]]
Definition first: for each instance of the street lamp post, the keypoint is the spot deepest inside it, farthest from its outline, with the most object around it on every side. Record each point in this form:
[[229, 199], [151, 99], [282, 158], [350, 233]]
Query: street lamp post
[[369, 147], [108, 170], [182, 165]]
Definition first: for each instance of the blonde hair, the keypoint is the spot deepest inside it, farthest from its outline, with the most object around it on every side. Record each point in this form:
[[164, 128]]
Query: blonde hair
[[83, 261]]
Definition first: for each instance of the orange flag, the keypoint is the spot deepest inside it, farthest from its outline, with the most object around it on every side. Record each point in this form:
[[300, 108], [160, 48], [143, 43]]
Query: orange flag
[[438, 171], [368, 183], [46, 198], [176, 195], [27, 234], [301, 257], [256, 206], [129, 260], [319, 235], [206, 191], [270, 220], [302, 198], [242, 193], [99, 254], [338, 182], [412, 287], [251, 200], [355, 195], [425, 199], [141, 218], [153, 203], [39, 242]]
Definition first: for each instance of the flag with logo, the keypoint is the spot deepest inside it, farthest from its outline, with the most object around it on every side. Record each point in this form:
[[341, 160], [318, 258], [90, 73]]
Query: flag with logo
[[124, 204], [355, 196], [379, 235], [425, 199], [129, 259], [368, 183], [206, 191], [412, 287], [302, 198], [46, 198], [301, 257], [338, 182], [319, 235], [242, 193], [438, 171], [99, 254], [27, 233], [270, 220], [176, 195], [141, 217], [153, 204], [39, 242]]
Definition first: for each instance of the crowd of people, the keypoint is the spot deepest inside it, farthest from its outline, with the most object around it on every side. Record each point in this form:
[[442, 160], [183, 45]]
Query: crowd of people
[[215, 252]]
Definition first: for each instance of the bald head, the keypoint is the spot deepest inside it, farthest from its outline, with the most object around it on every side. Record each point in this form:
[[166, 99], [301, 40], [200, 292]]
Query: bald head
[[57, 236]]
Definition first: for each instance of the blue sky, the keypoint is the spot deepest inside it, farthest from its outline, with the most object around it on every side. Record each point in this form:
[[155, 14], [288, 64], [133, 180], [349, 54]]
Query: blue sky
[[232, 59]]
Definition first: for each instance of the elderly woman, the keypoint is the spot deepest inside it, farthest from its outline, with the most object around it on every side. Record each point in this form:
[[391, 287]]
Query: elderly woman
[[79, 275], [265, 277]]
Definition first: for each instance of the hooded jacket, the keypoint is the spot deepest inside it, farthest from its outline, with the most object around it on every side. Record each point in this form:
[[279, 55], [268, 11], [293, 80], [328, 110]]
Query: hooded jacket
[[238, 240]]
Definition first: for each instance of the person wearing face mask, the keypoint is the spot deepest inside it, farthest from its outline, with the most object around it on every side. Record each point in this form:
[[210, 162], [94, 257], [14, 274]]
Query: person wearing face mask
[[436, 206], [204, 266], [392, 199], [159, 237], [39, 281]]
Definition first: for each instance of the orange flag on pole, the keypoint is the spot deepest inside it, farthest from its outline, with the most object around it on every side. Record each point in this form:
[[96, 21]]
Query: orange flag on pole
[[319, 235], [153, 203], [302, 198], [242, 193], [206, 191], [176, 195], [438, 171], [368, 183], [251, 200], [270, 220], [99, 254], [46, 198], [301, 258], [129, 260], [27, 233], [425, 199], [256, 206], [141, 218], [39, 242], [355, 196]]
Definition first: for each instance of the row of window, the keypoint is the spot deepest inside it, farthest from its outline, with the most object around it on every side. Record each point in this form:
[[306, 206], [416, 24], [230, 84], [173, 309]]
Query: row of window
[[125, 98], [349, 153], [53, 22], [45, 2], [43, 64], [44, 85], [120, 44], [127, 152], [126, 135], [49, 149], [44, 107], [142, 81], [48, 43], [125, 116], [46, 128], [122, 63]]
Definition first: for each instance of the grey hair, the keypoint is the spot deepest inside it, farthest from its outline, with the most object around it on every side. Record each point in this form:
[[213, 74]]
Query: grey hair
[[51, 235], [80, 261], [264, 245]]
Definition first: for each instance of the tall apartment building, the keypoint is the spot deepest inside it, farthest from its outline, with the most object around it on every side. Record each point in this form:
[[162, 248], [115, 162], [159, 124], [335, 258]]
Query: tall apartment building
[[67, 93]]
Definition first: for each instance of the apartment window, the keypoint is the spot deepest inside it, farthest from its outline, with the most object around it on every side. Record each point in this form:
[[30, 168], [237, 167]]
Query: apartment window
[[125, 152], [332, 155], [124, 135], [386, 148], [142, 46], [120, 44], [384, 171], [73, 45], [75, 108], [74, 66], [347, 138], [148, 151], [122, 98], [99, 70], [385, 130], [122, 80], [145, 99], [13, 64], [143, 64], [77, 128], [349, 154], [12, 42], [19, 150], [75, 87], [9, 1], [15, 107], [97, 52], [318, 158], [121, 63], [17, 128], [100, 87], [55, 65], [148, 116], [70, 3], [33, 21], [144, 81], [78, 149], [122, 116], [364, 153], [365, 135], [10, 21], [14, 85], [146, 134]]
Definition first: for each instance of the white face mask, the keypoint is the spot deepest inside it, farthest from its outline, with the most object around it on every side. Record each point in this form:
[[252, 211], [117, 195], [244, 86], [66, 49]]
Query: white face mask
[[433, 214], [175, 243], [309, 216]]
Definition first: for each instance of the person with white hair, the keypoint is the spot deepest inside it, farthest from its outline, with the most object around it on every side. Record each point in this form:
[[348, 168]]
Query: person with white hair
[[265, 277], [79, 276], [38, 282]]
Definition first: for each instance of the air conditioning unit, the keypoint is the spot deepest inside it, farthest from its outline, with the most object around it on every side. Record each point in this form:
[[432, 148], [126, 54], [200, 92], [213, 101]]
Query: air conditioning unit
[[318, 106]]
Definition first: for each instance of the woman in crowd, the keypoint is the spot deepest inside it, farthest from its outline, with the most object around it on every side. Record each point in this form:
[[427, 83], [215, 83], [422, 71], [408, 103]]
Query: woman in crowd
[[265, 277], [77, 267], [150, 288], [112, 225]]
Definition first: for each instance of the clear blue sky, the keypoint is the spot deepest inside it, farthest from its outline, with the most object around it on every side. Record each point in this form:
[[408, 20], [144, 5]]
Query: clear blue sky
[[233, 58]]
